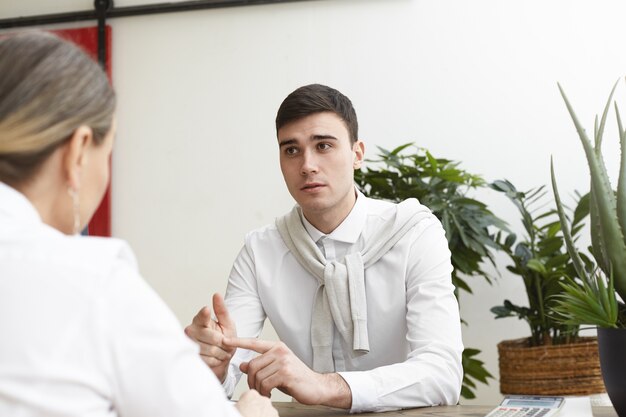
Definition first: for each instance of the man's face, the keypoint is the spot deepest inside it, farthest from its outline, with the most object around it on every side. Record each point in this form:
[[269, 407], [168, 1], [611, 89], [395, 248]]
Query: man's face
[[318, 162]]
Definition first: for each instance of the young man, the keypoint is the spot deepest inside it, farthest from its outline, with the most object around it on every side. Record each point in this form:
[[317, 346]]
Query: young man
[[358, 290]]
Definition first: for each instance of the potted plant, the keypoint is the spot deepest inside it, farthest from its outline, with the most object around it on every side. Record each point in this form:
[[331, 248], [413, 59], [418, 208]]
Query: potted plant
[[554, 360], [596, 295], [410, 171]]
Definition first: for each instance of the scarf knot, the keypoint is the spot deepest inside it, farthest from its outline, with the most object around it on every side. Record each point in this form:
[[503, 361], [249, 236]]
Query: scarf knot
[[340, 299]]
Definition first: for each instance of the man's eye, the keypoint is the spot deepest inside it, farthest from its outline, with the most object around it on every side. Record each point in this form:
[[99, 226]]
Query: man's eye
[[291, 150], [323, 146]]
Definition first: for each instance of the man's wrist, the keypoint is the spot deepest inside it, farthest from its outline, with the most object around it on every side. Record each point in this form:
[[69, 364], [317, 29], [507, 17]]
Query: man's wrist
[[337, 392]]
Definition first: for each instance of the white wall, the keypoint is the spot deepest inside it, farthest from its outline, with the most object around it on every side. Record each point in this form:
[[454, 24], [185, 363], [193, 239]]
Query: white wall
[[195, 164]]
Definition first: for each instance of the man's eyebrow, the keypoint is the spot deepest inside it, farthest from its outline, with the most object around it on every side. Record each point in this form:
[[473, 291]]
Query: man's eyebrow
[[286, 142], [323, 137]]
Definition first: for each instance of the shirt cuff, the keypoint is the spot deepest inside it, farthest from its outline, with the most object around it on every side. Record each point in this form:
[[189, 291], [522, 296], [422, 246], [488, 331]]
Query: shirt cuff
[[229, 384], [364, 393]]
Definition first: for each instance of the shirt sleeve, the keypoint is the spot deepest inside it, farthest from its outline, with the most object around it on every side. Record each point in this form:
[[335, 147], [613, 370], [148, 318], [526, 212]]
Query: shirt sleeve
[[155, 370], [245, 308], [432, 373]]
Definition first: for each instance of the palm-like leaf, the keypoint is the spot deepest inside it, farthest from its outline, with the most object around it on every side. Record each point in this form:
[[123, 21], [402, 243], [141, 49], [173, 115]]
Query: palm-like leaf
[[542, 262]]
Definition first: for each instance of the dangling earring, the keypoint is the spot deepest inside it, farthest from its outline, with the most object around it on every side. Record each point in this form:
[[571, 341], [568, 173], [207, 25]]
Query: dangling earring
[[75, 209]]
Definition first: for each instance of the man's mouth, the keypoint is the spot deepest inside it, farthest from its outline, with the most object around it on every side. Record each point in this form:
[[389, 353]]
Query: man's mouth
[[312, 186]]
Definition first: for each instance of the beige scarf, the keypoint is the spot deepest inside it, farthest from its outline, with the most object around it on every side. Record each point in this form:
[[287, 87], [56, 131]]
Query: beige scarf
[[340, 297]]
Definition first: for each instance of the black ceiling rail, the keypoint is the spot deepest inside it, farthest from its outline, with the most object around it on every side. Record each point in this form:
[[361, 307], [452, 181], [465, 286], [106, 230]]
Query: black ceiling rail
[[102, 6], [112, 12]]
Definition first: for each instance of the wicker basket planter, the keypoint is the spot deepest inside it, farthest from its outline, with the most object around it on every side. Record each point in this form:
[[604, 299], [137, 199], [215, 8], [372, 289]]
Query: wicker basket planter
[[572, 369]]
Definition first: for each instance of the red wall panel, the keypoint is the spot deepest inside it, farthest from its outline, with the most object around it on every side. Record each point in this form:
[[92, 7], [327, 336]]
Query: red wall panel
[[87, 38]]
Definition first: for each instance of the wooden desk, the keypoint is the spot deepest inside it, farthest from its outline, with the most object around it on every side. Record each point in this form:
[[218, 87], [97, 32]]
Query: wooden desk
[[293, 409]]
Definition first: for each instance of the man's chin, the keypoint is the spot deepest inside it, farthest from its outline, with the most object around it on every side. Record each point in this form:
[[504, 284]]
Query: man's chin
[[312, 205]]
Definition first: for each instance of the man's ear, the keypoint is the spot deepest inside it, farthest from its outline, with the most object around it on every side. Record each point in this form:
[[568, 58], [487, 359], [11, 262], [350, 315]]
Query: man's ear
[[76, 155], [359, 153]]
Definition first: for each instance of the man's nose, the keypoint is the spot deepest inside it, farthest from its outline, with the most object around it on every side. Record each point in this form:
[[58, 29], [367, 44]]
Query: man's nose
[[309, 163]]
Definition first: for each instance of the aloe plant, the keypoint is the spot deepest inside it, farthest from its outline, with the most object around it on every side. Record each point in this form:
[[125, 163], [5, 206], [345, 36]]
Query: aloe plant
[[595, 301]]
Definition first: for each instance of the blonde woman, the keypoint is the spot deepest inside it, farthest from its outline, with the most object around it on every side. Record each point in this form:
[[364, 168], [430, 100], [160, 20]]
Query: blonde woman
[[81, 333]]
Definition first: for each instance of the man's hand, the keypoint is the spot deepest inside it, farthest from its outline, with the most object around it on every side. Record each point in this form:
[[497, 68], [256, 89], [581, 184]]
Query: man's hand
[[209, 334], [251, 404], [278, 367]]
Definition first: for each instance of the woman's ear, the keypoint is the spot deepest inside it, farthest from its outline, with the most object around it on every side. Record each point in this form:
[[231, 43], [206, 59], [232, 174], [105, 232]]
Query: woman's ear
[[76, 155]]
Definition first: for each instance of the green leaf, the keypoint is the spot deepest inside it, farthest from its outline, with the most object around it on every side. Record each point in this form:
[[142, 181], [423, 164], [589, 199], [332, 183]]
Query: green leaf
[[510, 240], [397, 150], [604, 199], [571, 249], [502, 311], [621, 182], [503, 185], [582, 210], [550, 245], [600, 130], [461, 284], [537, 266], [473, 370]]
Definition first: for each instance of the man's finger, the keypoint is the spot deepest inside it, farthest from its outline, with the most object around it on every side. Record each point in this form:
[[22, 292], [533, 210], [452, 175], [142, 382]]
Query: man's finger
[[221, 312], [215, 351], [211, 361], [266, 384], [257, 364], [203, 318], [257, 345], [205, 336], [258, 370]]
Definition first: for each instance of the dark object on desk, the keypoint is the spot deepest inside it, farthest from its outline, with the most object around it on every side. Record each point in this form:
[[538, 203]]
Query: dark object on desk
[[612, 351]]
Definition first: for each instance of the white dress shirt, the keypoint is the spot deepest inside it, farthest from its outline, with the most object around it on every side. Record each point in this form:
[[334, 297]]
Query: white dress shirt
[[81, 333], [413, 315]]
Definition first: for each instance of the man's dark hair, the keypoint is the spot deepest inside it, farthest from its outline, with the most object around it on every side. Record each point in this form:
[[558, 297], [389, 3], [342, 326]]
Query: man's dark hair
[[317, 98]]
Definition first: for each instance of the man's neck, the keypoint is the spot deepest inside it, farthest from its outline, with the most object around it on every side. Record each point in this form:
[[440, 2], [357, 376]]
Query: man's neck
[[327, 221]]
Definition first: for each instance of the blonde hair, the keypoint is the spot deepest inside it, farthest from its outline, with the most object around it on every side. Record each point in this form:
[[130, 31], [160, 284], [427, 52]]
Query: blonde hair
[[48, 88]]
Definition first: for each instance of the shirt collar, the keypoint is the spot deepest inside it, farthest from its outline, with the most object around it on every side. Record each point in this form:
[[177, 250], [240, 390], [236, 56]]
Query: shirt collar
[[14, 204], [350, 229]]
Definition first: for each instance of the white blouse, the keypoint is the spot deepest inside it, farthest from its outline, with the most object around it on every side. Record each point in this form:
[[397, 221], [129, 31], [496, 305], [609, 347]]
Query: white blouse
[[412, 313], [82, 334]]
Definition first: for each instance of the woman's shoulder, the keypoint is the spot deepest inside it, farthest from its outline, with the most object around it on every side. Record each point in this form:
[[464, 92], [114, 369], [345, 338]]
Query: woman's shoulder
[[93, 255], [105, 250]]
